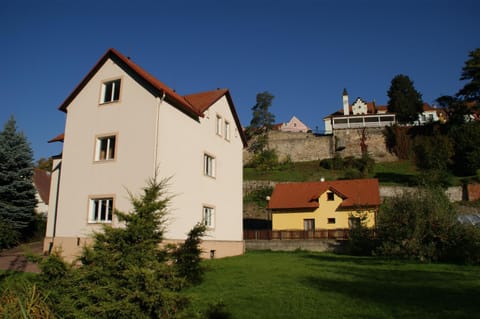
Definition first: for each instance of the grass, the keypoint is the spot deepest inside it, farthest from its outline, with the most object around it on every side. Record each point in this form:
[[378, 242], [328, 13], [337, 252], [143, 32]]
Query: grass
[[319, 285], [392, 173]]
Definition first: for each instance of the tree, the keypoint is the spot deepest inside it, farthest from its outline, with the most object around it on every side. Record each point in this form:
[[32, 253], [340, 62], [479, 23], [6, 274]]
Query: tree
[[126, 273], [262, 118], [471, 72], [466, 139], [423, 225], [17, 193], [404, 100], [261, 123]]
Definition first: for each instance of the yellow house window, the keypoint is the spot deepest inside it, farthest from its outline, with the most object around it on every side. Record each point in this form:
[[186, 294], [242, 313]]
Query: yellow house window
[[331, 220], [330, 196], [309, 224]]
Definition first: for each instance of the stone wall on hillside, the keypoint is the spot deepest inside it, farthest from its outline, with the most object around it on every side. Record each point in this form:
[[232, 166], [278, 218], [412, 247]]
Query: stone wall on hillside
[[303, 147], [375, 141]]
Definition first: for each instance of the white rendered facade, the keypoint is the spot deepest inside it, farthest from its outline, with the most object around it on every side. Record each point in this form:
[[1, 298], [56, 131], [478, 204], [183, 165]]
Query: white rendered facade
[[145, 129]]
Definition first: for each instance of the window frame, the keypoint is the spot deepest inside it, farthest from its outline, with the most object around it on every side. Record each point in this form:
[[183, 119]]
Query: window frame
[[115, 90], [210, 221], [95, 209], [209, 165], [218, 125], [227, 130], [97, 158]]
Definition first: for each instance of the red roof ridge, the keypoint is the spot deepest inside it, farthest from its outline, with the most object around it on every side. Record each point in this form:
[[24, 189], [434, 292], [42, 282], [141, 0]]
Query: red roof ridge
[[299, 195], [193, 104]]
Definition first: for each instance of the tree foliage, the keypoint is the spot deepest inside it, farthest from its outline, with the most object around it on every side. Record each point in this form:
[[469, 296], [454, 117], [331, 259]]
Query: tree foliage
[[471, 72], [261, 123], [45, 164], [466, 138], [262, 118], [423, 225], [17, 193], [126, 273], [404, 100]]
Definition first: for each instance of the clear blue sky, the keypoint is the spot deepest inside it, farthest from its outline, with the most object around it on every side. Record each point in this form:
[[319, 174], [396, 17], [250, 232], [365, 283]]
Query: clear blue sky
[[303, 52]]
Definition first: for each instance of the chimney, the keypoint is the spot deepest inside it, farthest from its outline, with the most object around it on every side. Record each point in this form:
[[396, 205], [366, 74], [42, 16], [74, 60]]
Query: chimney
[[346, 105]]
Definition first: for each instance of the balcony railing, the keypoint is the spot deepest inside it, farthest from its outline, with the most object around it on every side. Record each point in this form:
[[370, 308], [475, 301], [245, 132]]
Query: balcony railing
[[357, 121], [337, 234]]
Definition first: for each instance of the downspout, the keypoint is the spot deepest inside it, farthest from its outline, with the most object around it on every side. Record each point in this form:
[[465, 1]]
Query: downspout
[[50, 246], [157, 124]]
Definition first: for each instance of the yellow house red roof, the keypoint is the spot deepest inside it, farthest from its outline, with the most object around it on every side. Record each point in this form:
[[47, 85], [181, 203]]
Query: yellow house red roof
[[354, 192]]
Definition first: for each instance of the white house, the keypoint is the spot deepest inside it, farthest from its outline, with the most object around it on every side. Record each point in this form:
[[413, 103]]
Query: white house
[[357, 115], [122, 125]]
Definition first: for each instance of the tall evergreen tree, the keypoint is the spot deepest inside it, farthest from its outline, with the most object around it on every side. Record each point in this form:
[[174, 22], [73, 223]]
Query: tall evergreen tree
[[404, 100], [17, 193]]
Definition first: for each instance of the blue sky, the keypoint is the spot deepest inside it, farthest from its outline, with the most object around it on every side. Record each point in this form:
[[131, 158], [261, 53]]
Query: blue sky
[[303, 52]]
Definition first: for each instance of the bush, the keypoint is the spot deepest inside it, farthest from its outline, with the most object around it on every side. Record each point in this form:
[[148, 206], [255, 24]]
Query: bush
[[423, 226], [9, 236], [259, 196], [361, 241], [187, 256]]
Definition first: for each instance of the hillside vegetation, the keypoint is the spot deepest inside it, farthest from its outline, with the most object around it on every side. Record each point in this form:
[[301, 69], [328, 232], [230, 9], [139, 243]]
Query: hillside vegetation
[[391, 173]]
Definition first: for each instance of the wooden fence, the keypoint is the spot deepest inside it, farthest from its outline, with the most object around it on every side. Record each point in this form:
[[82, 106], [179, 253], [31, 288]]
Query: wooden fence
[[338, 234]]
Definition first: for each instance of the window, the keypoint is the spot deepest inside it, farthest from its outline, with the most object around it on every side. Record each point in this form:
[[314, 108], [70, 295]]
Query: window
[[208, 165], [309, 224], [330, 196], [105, 148], [331, 220], [219, 125], [100, 210], [208, 216], [227, 131], [110, 91]]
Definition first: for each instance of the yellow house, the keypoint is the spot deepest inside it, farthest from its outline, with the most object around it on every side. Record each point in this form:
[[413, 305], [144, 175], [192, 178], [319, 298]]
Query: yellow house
[[324, 205]]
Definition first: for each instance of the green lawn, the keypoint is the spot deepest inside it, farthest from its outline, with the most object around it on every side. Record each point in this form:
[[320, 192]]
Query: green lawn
[[317, 285]]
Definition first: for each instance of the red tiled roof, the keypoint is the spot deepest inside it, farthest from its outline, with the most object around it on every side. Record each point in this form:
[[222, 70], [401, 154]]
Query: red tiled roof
[[355, 193], [41, 180], [427, 107], [193, 105], [202, 101], [58, 138]]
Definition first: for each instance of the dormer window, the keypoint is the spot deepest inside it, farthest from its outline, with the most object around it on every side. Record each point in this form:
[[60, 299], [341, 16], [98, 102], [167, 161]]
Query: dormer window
[[330, 196], [110, 91]]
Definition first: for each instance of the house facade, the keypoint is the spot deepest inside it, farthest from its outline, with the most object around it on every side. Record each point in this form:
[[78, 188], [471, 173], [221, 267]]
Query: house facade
[[324, 205], [362, 114], [294, 125], [122, 127], [358, 115]]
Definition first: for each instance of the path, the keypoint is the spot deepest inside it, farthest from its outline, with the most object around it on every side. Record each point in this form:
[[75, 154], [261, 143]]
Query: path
[[14, 259]]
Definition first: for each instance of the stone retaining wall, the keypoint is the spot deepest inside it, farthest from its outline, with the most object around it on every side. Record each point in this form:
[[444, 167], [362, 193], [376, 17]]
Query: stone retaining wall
[[326, 245]]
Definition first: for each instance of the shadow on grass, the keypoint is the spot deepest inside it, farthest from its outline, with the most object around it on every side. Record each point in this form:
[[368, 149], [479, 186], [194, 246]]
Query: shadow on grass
[[396, 178], [404, 290]]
